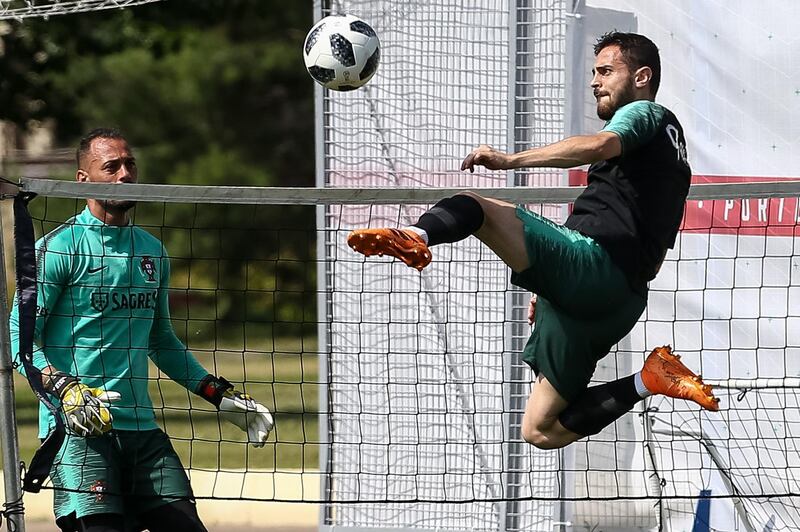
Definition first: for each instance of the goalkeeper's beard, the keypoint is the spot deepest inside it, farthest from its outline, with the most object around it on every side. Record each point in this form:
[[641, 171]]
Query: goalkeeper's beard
[[117, 206]]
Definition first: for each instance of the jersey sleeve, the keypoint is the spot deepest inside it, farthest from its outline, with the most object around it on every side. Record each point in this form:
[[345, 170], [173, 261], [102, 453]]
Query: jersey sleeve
[[54, 263], [636, 123], [166, 350]]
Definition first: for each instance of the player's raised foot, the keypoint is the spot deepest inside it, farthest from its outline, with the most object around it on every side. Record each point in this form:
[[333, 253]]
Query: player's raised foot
[[664, 373], [399, 243]]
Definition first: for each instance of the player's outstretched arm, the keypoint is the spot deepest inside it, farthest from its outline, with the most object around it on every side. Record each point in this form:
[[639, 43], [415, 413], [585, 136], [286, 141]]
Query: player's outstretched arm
[[238, 408], [566, 153], [85, 408]]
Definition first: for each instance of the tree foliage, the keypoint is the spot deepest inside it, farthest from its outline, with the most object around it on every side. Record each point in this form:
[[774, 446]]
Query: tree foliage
[[187, 81], [210, 92]]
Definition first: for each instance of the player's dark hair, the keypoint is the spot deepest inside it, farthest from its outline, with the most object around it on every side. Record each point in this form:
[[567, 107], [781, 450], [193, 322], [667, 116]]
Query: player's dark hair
[[637, 50], [97, 133]]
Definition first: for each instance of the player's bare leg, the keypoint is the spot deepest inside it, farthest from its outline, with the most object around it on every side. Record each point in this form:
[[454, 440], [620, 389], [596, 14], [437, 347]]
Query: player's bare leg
[[540, 425], [503, 232]]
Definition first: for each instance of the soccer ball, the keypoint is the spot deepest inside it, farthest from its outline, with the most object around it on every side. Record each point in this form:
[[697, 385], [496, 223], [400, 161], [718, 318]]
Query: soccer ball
[[341, 52]]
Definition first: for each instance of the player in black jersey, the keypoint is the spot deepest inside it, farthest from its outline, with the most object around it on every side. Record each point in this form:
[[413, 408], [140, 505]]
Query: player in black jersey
[[591, 273]]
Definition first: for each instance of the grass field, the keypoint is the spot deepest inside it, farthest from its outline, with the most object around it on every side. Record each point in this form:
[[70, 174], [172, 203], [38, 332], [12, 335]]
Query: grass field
[[280, 373]]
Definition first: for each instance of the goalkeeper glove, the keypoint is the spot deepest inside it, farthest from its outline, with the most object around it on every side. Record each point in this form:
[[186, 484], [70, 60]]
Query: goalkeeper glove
[[85, 408], [238, 408]]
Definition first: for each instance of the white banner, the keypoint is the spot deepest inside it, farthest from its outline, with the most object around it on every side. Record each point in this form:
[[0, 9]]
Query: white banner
[[730, 72]]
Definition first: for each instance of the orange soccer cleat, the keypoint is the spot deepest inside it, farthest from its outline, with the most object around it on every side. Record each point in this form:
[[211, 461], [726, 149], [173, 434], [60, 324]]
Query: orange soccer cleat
[[664, 373], [404, 245]]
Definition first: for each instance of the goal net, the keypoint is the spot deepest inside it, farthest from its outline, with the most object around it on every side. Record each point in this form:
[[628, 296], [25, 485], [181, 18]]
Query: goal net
[[429, 359], [514, 75], [20, 9], [393, 390]]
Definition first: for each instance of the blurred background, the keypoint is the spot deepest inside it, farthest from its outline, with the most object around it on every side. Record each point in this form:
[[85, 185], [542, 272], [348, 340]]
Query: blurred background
[[211, 92]]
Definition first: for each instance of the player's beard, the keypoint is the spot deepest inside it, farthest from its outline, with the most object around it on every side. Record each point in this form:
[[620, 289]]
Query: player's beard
[[118, 206], [606, 109]]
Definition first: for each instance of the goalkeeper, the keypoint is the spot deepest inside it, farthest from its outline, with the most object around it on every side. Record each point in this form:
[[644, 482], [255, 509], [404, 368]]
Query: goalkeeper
[[591, 274], [102, 311]]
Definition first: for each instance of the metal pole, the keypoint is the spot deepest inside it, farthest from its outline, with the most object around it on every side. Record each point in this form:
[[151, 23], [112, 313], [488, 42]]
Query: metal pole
[[8, 419], [326, 510]]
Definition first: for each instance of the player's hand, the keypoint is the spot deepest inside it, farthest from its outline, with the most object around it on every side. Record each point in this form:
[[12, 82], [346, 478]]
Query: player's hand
[[238, 408], [85, 408], [532, 309], [247, 414], [487, 157]]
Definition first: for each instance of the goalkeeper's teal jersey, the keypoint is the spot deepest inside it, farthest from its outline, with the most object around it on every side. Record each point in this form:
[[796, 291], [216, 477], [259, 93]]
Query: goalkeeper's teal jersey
[[102, 310]]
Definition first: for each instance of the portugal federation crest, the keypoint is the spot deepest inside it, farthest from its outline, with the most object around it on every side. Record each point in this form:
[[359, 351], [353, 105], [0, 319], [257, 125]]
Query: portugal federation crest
[[99, 488], [99, 301], [148, 268]]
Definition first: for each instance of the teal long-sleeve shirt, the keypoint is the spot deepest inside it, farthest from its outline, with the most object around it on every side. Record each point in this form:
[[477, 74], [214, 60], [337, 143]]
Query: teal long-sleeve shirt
[[102, 311]]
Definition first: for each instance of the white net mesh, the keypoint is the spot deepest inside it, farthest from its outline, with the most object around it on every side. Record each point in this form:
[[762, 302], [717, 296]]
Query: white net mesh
[[417, 379], [427, 358], [19, 9]]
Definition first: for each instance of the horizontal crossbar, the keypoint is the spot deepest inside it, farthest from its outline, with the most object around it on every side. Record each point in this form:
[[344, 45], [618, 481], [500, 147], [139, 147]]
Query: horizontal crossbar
[[360, 196]]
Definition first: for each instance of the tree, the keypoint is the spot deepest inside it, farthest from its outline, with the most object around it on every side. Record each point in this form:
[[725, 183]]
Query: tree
[[212, 92]]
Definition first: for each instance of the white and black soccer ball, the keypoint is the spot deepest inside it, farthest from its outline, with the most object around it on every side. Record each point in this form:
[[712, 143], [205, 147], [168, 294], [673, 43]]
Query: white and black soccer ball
[[342, 52]]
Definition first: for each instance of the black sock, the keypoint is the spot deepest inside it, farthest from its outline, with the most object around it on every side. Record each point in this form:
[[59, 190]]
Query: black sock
[[452, 219], [599, 406]]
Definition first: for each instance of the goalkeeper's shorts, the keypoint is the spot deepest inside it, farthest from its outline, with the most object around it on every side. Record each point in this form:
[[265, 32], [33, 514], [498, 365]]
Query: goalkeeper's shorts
[[585, 304], [122, 472]]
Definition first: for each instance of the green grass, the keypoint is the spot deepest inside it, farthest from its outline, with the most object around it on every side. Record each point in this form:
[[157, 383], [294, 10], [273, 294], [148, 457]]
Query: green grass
[[281, 374]]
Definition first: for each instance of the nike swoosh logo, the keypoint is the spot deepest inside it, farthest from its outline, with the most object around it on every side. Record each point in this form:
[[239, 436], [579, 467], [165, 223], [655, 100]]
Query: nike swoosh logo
[[95, 270]]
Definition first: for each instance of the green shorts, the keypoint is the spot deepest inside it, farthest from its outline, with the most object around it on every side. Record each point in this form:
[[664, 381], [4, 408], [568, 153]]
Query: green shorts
[[585, 304], [122, 472]]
